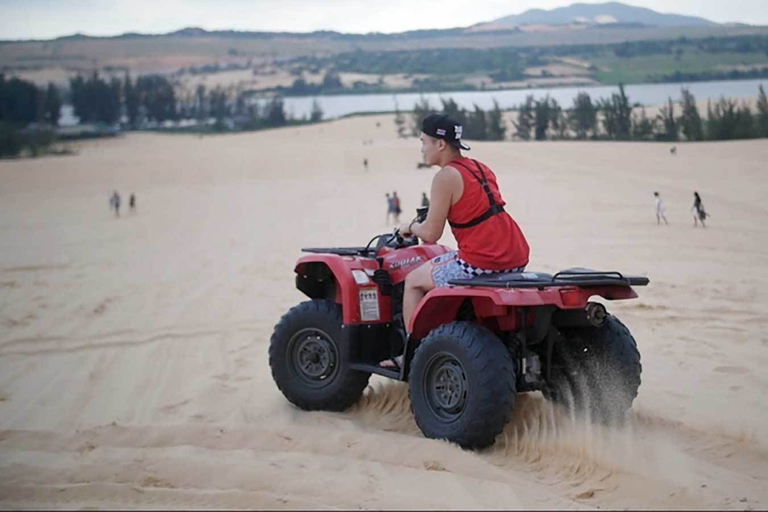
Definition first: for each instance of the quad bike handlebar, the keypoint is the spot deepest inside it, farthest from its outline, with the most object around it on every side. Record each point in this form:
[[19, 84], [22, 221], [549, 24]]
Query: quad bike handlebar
[[395, 240]]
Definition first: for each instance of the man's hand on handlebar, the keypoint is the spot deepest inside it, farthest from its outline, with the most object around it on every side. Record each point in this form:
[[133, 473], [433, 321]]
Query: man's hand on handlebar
[[404, 229]]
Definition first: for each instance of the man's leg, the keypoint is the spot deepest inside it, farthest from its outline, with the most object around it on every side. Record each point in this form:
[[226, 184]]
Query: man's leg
[[417, 284]]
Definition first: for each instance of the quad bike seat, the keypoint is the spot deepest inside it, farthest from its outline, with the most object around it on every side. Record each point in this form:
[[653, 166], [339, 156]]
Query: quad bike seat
[[583, 277]]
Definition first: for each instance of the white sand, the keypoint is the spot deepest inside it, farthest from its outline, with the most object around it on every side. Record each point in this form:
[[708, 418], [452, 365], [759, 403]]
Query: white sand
[[133, 369]]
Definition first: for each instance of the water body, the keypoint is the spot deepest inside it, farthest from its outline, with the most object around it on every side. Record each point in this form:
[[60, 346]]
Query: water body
[[645, 94]]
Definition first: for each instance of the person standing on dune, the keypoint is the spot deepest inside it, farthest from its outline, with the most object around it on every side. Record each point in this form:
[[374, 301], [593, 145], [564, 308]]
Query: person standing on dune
[[115, 203], [390, 207], [699, 214], [660, 209]]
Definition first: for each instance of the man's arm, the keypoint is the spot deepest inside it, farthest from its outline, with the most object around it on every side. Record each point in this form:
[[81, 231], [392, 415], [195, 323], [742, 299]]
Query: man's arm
[[446, 185]]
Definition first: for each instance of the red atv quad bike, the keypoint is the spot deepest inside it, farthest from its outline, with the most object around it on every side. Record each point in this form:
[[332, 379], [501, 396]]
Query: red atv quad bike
[[473, 345]]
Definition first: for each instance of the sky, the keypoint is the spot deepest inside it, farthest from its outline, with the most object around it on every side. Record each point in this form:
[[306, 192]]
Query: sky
[[46, 19]]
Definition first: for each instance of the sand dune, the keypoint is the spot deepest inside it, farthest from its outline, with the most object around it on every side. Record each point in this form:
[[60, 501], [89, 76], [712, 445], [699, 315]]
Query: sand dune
[[133, 368]]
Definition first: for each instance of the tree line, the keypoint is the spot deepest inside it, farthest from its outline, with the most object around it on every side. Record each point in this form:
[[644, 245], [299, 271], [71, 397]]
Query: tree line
[[23, 103], [146, 102], [617, 118], [153, 99], [612, 118], [477, 124]]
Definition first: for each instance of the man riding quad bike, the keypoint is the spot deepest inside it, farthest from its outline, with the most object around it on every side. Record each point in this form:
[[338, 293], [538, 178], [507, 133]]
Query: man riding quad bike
[[467, 330]]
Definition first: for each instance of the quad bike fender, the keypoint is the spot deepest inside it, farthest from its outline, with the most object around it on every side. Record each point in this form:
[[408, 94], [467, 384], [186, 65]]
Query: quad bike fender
[[441, 305], [346, 281]]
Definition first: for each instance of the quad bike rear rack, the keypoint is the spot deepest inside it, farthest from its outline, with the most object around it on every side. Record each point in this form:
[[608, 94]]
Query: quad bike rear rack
[[582, 277]]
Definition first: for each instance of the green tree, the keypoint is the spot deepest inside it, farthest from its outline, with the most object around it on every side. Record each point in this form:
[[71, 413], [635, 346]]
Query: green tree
[[157, 96], [52, 105], [690, 121], [274, 115], [331, 80], [745, 123], [421, 110], [762, 113], [316, 115], [219, 105], [452, 110], [201, 105], [96, 100], [19, 101], [524, 123], [399, 121], [542, 118], [617, 115], [643, 128], [728, 121], [476, 125], [558, 120], [583, 116], [711, 127], [131, 98], [496, 127], [666, 119], [79, 102], [10, 141]]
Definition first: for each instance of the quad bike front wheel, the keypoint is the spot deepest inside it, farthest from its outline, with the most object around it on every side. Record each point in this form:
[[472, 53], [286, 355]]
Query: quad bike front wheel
[[462, 385], [596, 371], [309, 359]]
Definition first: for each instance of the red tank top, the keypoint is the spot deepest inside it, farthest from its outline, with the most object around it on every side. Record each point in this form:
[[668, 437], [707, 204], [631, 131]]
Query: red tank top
[[496, 243]]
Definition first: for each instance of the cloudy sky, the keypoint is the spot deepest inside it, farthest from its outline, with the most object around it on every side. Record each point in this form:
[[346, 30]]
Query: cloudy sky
[[43, 19]]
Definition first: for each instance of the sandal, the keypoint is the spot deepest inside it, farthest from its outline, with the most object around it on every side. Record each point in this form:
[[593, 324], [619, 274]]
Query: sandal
[[393, 363]]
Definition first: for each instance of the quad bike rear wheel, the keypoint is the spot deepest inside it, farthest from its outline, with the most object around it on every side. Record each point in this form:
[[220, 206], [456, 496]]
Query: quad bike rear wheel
[[462, 385], [309, 359], [596, 371]]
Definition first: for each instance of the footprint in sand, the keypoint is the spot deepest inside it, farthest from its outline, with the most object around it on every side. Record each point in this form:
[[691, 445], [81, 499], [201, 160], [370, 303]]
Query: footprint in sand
[[732, 370], [24, 322], [102, 307], [432, 465], [173, 407], [152, 481], [586, 494]]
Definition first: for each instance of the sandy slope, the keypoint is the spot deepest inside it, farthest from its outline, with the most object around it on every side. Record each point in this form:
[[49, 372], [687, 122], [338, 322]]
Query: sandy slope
[[133, 366]]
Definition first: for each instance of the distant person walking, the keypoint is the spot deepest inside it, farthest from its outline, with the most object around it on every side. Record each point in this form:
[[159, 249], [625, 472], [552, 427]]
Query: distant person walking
[[673, 151], [699, 214], [132, 203], [396, 205], [424, 200], [114, 202], [365, 163], [390, 207], [660, 209]]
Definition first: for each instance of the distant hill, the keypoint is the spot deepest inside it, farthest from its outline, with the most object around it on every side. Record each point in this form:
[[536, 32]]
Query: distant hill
[[600, 14]]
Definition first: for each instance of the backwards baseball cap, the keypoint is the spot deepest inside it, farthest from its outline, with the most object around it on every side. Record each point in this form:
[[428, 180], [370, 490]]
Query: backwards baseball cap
[[443, 127]]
